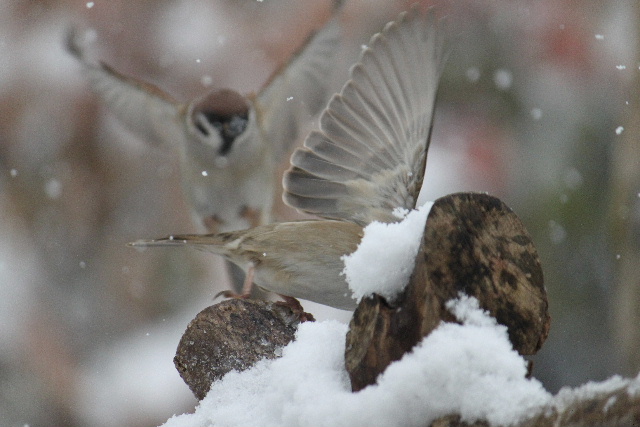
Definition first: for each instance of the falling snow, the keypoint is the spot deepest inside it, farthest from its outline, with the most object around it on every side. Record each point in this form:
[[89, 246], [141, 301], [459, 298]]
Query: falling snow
[[536, 113], [473, 74], [503, 79]]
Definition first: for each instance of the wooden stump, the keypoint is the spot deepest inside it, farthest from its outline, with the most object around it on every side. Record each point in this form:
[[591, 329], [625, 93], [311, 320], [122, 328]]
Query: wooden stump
[[472, 243]]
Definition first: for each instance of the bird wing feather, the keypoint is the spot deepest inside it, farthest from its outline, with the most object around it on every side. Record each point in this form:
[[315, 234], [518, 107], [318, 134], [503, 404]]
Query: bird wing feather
[[298, 90], [143, 108], [369, 155]]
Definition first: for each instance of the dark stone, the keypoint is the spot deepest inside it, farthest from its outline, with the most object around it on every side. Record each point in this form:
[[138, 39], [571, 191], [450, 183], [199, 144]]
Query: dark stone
[[472, 243], [232, 335]]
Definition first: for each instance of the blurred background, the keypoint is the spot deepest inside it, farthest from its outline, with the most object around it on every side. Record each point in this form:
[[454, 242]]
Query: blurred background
[[539, 105]]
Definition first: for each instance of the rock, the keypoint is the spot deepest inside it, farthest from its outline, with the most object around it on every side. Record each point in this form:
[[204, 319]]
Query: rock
[[472, 243], [232, 335]]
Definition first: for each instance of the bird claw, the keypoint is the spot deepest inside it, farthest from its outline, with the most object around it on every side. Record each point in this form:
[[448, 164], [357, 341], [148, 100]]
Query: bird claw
[[295, 306], [247, 287], [290, 302]]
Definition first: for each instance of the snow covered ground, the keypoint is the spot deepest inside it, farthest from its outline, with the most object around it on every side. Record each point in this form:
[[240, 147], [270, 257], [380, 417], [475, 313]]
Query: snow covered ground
[[469, 369]]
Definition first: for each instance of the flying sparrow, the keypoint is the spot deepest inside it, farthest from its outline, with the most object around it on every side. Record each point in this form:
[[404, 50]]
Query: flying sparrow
[[229, 144], [367, 159]]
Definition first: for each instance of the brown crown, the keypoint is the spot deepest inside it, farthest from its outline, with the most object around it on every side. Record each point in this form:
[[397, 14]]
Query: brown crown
[[224, 103]]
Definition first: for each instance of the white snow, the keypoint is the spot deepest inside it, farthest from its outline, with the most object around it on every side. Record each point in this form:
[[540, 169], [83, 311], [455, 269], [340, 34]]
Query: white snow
[[386, 255], [566, 396], [536, 113], [473, 74], [634, 387], [469, 369], [206, 80], [53, 188], [21, 284], [133, 378], [503, 79], [557, 233]]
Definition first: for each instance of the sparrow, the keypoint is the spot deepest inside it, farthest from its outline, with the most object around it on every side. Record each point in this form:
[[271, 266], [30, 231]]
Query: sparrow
[[229, 144], [366, 160]]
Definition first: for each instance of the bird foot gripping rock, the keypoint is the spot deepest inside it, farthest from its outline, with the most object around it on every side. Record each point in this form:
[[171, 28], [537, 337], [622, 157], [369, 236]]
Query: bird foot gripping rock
[[472, 243], [233, 335]]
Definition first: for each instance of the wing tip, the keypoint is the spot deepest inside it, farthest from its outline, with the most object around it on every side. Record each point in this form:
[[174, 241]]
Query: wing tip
[[72, 43], [76, 42]]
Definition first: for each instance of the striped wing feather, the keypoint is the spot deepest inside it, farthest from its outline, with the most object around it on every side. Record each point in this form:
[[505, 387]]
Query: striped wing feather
[[143, 108], [299, 89], [369, 155]]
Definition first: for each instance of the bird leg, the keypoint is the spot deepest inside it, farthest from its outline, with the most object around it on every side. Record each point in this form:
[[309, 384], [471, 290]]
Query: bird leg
[[290, 302], [248, 279], [252, 215], [247, 286]]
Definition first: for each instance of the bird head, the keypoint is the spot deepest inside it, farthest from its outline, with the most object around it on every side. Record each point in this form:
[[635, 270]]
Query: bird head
[[218, 119]]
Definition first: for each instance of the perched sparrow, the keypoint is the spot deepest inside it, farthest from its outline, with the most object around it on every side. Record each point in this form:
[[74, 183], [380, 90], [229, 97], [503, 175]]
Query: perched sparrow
[[367, 160], [229, 144]]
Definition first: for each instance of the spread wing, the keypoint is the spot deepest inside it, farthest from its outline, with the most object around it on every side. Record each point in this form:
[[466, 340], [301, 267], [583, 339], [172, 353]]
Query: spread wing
[[299, 89], [143, 108], [369, 155]]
